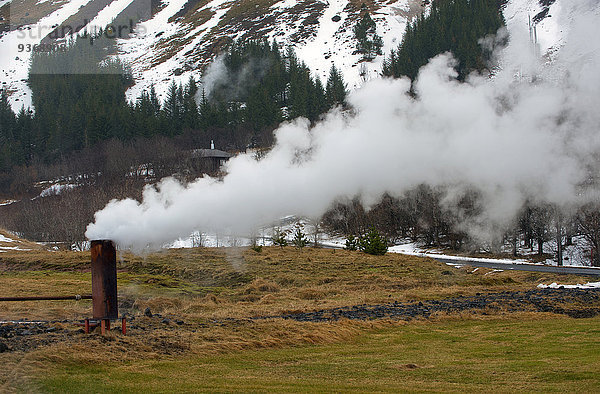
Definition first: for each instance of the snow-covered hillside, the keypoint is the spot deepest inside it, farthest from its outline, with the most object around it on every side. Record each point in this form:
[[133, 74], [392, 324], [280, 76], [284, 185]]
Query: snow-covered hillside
[[545, 17], [182, 36]]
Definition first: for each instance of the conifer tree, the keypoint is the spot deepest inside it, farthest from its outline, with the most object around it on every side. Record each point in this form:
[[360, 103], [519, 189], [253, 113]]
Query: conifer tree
[[299, 91], [154, 101], [369, 43], [24, 129], [145, 114], [172, 108], [7, 117], [373, 243], [318, 101], [7, 131], [190, 108], [336, 88], [299, 240]]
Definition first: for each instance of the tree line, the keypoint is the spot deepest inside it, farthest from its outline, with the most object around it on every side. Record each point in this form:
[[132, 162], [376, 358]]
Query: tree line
[[425, 216]]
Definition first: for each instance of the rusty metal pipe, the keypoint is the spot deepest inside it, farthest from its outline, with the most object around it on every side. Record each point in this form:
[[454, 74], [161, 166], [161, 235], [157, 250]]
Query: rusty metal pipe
[[104, 279], [47, 298]]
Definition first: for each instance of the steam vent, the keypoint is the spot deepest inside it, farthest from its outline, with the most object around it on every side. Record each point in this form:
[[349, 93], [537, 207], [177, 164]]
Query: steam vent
[[104, 280]]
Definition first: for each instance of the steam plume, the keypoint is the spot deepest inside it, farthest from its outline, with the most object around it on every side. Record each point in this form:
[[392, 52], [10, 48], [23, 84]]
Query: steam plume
[[529, 132]]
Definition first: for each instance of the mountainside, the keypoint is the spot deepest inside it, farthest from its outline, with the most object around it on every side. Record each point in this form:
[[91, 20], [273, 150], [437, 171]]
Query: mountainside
[[181, 36], [178, 38]]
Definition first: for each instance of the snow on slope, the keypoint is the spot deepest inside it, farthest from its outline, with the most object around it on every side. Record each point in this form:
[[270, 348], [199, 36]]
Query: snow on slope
[[14, 64], [332, 44], [179, 40], [108, 14], [138, 50], [166, 48], [589, 285], [8, 243], [550, 31], [5, 239]]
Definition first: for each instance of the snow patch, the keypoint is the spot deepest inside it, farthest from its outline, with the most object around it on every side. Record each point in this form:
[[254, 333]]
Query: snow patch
[[551, 31], [7, 248], [455, 265], [491, 272], [413, 250], [4, 239], [108, 14], [589, 285], [285, 4], [56, 189]]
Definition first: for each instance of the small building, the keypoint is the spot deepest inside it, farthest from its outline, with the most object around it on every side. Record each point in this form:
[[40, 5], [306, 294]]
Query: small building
[[212, 159]]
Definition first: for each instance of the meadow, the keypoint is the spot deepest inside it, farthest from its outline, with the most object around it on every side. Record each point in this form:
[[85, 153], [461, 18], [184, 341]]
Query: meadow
[[213, 326]]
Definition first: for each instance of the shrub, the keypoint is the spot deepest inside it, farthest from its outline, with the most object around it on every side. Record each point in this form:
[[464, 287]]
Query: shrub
[[352, 242], [299, 239], [279, 238], [373, 243]]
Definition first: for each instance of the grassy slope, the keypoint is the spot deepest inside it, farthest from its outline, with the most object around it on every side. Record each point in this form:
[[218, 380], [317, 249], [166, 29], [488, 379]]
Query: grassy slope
[[210, 283], [530, 353], [200, 285]]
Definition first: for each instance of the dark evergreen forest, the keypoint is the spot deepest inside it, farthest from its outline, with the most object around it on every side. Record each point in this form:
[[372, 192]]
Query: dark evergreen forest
[[79, 95], [456, 26], [79, 100]]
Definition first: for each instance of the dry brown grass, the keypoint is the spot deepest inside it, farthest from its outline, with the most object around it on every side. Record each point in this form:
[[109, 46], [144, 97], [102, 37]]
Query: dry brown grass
[[223, 338], [213, 283], [17, 242], [29, 11], [241, 10], [356, 5]]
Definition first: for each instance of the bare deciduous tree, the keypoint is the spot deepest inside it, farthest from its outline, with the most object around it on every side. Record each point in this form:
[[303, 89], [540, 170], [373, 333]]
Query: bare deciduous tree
[[588, 219]]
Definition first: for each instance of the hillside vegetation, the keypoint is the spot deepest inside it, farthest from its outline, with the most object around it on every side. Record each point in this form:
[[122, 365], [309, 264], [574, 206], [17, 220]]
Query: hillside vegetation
[[456, 26]]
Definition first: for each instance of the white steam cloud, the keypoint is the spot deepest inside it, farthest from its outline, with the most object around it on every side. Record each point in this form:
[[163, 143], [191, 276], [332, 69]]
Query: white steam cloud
[[531, 132], [232, 85], [215, 72]]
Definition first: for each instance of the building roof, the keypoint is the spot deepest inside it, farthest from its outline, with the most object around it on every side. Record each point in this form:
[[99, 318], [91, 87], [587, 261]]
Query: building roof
[[211, 153]]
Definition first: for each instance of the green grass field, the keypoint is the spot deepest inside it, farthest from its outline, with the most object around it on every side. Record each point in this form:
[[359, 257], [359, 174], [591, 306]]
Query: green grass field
[[523, 353]]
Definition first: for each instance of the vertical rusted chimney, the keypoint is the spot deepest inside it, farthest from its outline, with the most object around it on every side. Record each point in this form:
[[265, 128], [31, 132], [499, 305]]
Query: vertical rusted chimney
[[104, 280]]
